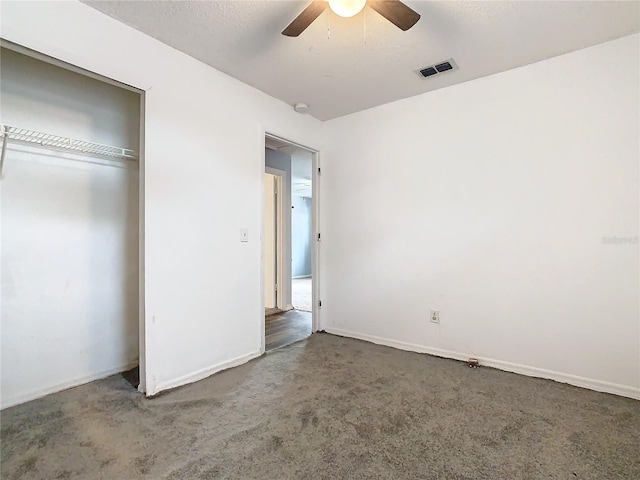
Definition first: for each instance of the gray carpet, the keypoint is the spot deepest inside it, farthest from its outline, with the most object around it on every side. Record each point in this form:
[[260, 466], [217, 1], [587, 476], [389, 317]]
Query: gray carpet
[[325, 408], [301, 294]]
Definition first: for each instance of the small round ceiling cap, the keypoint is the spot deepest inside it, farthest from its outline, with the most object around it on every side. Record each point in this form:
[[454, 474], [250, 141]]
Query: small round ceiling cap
[[301, 107]]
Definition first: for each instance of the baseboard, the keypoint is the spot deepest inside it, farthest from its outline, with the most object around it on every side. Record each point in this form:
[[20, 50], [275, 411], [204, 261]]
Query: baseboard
[[591, 384], [202, 373], [33, 395]]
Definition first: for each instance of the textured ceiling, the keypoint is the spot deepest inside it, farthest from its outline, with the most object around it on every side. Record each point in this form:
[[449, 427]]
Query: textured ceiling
[[367, 61]]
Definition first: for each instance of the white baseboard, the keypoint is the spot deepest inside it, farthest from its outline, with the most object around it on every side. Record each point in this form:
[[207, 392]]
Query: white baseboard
[[597, 385], [201, 374], [43, 392]]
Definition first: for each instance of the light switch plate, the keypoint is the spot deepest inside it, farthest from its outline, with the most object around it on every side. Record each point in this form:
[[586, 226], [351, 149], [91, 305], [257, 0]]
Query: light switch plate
[[244, 234]]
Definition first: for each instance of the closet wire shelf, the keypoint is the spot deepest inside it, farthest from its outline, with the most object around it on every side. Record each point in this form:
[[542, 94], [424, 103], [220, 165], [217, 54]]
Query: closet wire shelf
[[24, 136]]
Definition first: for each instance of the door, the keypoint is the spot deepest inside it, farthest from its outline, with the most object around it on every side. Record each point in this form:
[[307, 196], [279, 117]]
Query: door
[[270, 241]]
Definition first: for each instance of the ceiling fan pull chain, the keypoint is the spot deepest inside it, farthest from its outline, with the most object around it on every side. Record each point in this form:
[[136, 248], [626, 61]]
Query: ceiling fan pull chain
[[328, 25]]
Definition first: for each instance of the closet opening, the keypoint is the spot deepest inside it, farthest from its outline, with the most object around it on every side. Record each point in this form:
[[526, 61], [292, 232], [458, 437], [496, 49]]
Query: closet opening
[[71, 227], [290, 246]]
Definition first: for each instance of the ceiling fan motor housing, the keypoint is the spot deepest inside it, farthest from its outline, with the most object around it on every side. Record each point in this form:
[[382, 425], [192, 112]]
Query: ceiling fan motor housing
[[395, 11]]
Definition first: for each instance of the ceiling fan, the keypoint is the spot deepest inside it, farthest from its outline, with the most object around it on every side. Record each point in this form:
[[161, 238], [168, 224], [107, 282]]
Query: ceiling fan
[[393, 10]]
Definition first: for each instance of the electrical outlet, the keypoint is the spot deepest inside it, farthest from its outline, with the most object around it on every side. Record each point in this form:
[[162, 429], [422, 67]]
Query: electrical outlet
[[435, 316]]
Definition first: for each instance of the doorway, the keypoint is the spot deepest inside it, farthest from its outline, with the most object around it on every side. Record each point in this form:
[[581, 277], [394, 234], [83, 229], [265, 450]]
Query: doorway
[[71, 194], [289, 242], [272, 241], [301, 236]]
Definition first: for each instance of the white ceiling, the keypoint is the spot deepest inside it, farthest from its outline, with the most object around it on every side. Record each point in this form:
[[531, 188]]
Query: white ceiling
[[358, 67]]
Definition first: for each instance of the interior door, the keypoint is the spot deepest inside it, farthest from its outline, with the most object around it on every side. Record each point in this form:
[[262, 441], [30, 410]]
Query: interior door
[[270, 241]]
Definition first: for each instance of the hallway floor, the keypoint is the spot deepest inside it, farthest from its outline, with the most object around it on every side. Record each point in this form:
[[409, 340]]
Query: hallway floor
[[285, 328], [301, 296]]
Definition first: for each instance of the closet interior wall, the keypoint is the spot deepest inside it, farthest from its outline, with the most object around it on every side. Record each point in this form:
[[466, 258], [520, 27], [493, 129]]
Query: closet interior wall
[[69, 232]]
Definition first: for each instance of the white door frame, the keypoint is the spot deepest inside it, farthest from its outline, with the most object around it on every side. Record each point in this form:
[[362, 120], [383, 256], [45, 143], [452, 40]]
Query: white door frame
[[316, 324], [282, 233]]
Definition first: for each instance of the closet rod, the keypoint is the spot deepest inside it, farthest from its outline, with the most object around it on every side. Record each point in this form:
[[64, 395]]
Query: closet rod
[[23, 136]]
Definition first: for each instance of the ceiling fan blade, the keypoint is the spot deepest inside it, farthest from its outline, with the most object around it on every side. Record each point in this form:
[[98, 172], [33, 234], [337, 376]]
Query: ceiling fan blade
[[396, 12], [306, 18]]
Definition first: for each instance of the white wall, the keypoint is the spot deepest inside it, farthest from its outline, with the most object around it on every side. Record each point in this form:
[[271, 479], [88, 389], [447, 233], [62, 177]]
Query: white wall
[[69, 233], [203, 167], [489, 201], [49, 98]]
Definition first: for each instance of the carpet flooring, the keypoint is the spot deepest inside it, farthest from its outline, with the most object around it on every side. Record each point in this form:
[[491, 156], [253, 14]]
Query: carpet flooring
[[301, 297], [328, 408]]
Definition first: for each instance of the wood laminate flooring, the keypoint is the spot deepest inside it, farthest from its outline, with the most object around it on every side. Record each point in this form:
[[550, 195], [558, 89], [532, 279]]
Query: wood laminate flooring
[[285, 328]]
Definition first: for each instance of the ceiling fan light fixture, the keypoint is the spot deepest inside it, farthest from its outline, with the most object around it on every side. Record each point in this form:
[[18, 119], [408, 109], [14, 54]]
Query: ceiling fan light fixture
[[347, 8], [395, 11]]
